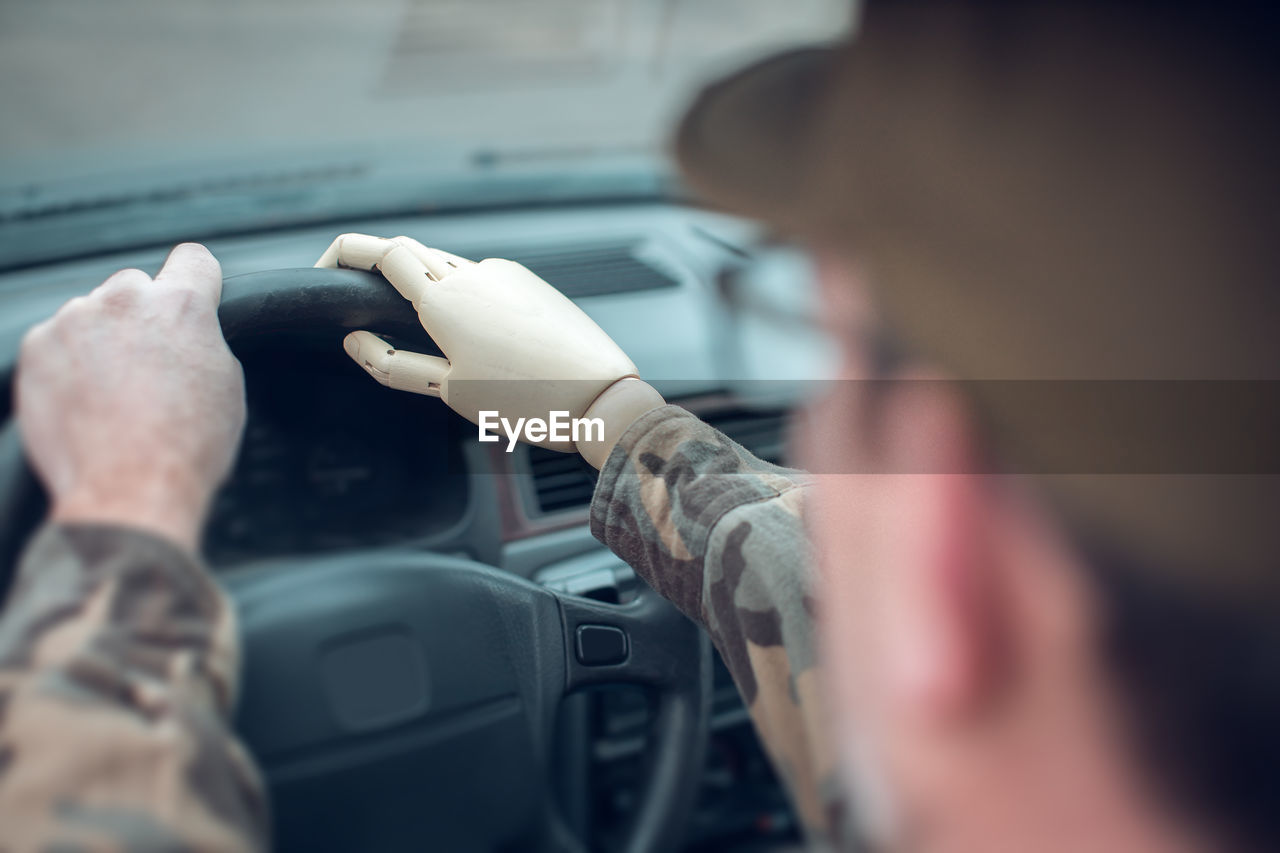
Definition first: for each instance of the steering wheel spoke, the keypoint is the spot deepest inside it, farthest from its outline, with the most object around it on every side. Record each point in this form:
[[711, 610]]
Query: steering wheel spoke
[[651, 644]]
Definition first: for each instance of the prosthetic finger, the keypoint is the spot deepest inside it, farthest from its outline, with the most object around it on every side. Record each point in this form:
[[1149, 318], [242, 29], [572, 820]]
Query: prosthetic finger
[[456, 260], [438, 261], [398, 369], [357, 251], [399, 263]]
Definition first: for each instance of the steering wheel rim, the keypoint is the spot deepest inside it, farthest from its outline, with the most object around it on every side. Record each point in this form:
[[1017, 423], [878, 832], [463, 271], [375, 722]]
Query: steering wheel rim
[[664, 650]]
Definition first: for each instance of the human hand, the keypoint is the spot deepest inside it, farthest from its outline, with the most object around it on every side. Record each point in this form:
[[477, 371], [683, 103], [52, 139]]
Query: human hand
[[129, 401], [513, 343]]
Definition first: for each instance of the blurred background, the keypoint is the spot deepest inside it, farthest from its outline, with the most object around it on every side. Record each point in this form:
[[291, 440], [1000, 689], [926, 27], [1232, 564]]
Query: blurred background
[[105, 92]]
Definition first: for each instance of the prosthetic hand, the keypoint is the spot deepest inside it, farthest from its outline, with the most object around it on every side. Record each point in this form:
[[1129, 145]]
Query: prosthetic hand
[[512, 343]]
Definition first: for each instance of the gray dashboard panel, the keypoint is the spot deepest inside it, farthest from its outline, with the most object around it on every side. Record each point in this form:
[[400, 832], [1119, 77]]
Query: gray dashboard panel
[[668, 332]]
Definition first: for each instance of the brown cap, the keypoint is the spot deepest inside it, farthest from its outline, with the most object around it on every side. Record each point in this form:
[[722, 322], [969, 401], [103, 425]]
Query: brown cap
[[1044, 192]]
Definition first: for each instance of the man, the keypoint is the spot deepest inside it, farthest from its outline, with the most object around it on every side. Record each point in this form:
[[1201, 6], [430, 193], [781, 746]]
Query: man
[[1047, 607]]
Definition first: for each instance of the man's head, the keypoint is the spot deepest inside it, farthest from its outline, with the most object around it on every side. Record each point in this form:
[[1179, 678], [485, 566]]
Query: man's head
[[1049, 558]]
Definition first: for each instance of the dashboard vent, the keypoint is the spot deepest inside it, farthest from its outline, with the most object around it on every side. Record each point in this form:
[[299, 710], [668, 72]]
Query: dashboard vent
[[762, 433], [563, 481], [600, 269]]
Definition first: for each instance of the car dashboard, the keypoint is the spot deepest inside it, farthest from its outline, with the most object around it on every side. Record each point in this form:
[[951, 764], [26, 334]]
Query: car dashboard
[[332, 461]]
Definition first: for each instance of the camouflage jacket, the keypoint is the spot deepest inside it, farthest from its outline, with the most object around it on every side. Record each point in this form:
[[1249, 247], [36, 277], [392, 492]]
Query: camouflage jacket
[[118, 654], [720, 533], [117, 671]]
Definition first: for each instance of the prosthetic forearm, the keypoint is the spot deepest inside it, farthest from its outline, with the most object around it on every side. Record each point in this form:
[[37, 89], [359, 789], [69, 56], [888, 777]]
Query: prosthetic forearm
[[513, 344]]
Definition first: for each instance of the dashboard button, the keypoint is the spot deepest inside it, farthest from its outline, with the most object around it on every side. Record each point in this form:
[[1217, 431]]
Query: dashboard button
[[601, 645]]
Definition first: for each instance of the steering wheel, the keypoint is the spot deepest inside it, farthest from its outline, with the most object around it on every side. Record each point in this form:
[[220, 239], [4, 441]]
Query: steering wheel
[[397, 699]]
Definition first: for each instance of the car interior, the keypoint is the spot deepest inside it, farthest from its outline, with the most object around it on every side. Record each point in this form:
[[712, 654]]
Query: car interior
[[437, 652]]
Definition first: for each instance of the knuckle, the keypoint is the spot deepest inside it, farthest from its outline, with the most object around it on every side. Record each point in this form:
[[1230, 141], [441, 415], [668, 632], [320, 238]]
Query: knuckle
[[35, 338], [73, 307], [184, 301], [117, 297], [177, 297], [130, 277]]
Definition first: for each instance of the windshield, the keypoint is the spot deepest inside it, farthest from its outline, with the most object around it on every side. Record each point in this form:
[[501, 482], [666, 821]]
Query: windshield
[[150, 120]]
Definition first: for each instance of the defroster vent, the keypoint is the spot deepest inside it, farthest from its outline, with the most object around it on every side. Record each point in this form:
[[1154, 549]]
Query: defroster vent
[[597, 269]]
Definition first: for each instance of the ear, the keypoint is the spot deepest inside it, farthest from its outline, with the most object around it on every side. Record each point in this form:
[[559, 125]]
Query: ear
[[946, 621]]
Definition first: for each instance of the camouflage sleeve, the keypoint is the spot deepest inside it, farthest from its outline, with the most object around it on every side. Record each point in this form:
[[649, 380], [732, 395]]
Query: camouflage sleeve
[[720, 533], [118, 664]]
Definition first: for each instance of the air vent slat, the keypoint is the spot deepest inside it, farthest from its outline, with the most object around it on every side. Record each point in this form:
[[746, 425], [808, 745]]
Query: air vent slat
[[563, 482], [566, 496], [556, 461], [761, 433], [551, 482]]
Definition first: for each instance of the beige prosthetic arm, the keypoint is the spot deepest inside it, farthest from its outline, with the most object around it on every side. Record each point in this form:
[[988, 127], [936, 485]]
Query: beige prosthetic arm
[[512, 343]]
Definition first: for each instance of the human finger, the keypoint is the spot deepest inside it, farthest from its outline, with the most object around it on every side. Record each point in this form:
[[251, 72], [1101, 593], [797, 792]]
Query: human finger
[[194, 266]]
